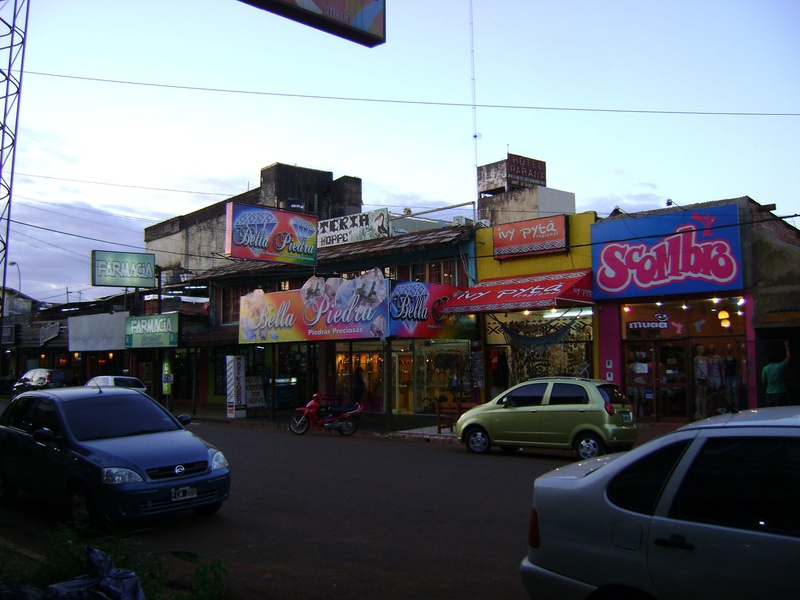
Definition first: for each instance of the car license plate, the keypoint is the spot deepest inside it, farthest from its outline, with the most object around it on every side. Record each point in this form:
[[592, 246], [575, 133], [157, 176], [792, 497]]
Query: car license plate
[[626, 417], [183, 493]]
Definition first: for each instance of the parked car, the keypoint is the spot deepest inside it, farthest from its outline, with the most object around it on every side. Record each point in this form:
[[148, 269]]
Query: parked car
[[37, 379], [107, 454], [117, 381], [707, 511], [589, 416]]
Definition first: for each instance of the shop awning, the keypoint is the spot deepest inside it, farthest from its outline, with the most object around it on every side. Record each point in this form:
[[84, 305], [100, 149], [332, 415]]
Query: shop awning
[[528, 292]]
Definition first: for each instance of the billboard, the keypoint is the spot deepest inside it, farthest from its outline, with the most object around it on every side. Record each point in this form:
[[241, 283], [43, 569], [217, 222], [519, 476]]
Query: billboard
[[268, 234], [415, 311], [332, 308], [360, 21], [353, 228], [525, 172], [537, 236], [123, 269], [691, 251]]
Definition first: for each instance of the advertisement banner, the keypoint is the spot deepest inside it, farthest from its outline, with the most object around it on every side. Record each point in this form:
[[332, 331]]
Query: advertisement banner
[[152, 331], [268, 234], [236, 406], [360, 21], [537, 236], [415, 311], [682, 252], [353, 228], [323, 309]]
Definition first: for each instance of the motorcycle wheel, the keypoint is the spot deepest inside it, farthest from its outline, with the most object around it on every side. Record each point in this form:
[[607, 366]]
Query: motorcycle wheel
[[349, 426], [299, 424]]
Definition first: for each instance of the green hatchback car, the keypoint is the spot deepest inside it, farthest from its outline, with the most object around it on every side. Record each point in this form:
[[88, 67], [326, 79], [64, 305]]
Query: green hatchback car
[[590, 416]]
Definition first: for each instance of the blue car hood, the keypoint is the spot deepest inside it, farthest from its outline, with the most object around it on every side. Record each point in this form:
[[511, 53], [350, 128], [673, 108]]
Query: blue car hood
[[149, 450]]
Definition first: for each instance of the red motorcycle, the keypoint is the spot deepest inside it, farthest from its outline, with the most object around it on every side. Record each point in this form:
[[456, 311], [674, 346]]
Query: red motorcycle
[[343, 419]]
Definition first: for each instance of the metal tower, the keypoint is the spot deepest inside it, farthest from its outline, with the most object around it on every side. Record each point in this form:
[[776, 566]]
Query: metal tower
[[13, 25]]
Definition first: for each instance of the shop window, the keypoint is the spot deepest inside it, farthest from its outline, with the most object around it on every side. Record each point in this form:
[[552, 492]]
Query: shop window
[[231, 300], [434, 272], [449, 272], [419, 272], [441, 271]]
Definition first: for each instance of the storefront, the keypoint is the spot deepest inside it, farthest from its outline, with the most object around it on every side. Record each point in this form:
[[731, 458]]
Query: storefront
[[384, 344], [685, 357], [534, 298], [673, 314]]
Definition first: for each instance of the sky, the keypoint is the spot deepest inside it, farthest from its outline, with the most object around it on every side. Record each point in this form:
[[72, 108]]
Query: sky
[[135, 112]]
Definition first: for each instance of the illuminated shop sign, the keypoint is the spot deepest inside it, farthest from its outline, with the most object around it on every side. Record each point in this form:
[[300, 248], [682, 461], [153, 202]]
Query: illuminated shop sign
[[683, 252], [258, 233], [152, 331], [123, 269]]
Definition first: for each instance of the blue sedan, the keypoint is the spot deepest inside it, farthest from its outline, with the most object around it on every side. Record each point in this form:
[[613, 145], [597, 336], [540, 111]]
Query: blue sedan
[[108, 454]]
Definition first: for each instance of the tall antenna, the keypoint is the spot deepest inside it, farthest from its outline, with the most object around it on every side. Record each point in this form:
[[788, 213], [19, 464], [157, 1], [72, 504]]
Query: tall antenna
[[474, 99]]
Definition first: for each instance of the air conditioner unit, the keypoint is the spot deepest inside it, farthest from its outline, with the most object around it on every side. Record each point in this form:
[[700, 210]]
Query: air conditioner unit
[[459, 221]]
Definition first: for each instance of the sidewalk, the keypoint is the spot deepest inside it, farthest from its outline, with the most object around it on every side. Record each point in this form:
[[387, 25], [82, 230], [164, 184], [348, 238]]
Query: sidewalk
[[395, 426]]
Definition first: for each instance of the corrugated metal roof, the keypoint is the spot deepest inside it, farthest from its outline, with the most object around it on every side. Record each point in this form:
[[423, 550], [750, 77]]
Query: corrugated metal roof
[[398, 244]]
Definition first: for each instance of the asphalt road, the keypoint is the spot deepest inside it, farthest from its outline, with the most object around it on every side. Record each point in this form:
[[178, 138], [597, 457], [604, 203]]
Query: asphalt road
[[325, 516]]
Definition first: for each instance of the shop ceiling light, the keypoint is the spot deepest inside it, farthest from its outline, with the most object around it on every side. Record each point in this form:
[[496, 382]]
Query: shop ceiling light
[[723, 314]]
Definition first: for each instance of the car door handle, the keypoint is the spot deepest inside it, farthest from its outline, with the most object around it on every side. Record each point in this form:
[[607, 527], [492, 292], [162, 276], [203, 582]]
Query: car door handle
[[674, 541]]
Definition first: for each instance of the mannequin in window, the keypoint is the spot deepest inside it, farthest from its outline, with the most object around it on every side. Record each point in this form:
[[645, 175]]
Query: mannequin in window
[[700, 383], [730, 372]]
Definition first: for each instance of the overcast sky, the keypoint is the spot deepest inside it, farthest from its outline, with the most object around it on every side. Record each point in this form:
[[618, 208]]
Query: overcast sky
[[134, 112]]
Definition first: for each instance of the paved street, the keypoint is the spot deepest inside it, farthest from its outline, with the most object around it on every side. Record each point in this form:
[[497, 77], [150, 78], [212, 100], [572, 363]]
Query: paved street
[[321, 516]]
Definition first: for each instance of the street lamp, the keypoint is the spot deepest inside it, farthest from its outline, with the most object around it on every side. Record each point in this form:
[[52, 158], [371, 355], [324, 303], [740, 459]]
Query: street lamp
[[14, 263]]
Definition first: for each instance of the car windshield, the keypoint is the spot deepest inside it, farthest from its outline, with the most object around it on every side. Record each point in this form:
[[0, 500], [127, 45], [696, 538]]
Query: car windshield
[[106, 416], [612, 393], [127, 382]]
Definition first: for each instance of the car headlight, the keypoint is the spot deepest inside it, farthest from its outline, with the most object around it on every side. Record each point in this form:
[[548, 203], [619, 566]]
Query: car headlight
[[116, 475], [219, 461]]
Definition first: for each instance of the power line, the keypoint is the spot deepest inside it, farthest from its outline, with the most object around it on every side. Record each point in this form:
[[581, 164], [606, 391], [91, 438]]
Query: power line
[[471, 105], [123, 185]]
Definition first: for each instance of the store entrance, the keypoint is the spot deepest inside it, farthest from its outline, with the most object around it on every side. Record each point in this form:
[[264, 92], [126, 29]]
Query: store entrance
[[657, 382]]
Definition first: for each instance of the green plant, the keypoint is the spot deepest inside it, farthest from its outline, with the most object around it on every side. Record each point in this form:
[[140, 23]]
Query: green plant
[[207, 583], [66, 559]]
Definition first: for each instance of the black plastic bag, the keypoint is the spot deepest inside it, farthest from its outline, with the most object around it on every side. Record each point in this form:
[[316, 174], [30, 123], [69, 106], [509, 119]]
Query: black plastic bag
[[103, 582]]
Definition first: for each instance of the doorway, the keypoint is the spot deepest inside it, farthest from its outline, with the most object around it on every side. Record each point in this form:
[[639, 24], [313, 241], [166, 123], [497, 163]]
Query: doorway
[[656, 380]]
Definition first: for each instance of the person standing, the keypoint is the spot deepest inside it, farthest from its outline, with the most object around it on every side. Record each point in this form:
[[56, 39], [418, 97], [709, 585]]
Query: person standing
[[358, 385], [772, 376]]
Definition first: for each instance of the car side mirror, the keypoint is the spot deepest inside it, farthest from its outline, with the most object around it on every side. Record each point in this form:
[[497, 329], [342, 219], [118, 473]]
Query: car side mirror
[[184, 419]]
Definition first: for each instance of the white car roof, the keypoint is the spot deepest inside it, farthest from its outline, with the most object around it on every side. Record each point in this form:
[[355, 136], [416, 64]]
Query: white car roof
[[779, 416]]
